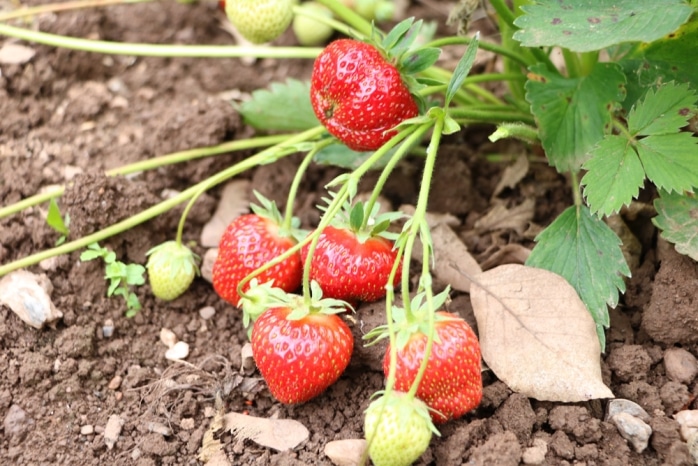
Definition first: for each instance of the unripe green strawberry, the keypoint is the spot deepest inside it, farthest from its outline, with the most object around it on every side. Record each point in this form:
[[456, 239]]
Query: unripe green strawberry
[[260, 20], [171, 269], [398, 428], [311, 32]]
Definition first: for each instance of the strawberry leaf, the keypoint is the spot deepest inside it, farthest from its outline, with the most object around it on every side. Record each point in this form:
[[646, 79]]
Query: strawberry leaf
[[343, 157], [284, 107], [419, 60], [663, 111], [55, 219], [678, 219], [587, 26], [462, 69], [614, 175], [396, 34], [573, 114], [586, 252]]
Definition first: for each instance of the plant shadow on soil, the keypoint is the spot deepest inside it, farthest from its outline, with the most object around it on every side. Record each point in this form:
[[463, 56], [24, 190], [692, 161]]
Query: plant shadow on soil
[[67, 116]]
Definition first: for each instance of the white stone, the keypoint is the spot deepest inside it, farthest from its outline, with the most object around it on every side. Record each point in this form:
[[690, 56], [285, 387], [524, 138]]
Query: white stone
[[113, 430], [168, 337], [620, 405], [680, 365], [347, 452], [633, 429], [179, 351], [207, 312], [536, 453], [688, 420]]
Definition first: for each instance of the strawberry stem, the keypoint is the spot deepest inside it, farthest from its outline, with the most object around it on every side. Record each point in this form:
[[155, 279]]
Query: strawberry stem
[[155, 162], [350, 16], [265, 156], [158, 50], [334, 24], [63, 6]]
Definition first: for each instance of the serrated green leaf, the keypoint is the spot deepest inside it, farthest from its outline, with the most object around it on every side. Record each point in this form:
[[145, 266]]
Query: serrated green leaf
[[462, 69], [663, 111], [134, 274], [586, 25], [670, 160], [584, 250], [614, 175], [420, 60], [396, 33], [573, 114], [55, 219], [671, 58], [341, 156], [677, 217], [284, 107], [91, 254]]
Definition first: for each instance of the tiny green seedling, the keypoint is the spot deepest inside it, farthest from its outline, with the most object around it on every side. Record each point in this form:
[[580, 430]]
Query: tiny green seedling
[[55, 220], [121, 276]]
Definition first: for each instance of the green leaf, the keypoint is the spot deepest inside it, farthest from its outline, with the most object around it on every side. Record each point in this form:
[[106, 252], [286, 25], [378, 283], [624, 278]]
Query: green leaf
[[663, 111], [614, 175], [356, 216], [55, 219], [341, 156], [584, 250], [573, 114], [669, 58], [678, 219], [462, 69], [586, 25], [91, 254], [134, 274], [397, 33], [284, 107], [114, 285], [420, 60], [670, 160]]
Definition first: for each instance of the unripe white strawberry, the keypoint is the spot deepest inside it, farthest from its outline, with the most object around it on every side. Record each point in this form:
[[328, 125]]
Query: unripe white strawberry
[[311, 32], [171, 269], [260, 20], [398, 428]]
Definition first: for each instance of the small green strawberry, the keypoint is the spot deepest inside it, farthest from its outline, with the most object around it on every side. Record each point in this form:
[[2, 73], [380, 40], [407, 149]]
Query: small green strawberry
[[171, 269], [260, 20], [398, 429], [309, 31]]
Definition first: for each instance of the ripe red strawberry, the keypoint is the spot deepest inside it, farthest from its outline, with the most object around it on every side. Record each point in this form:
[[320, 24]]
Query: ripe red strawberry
[[452, 383], [352, 262], [358, 95], [301, 349], [249, 242]]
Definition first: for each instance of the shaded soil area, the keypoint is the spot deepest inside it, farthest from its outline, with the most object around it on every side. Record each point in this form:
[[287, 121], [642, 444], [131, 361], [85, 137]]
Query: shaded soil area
[[67, 116]]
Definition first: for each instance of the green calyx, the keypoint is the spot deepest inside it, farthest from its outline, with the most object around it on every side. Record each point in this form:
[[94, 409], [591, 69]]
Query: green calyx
[[365, 221], [268, 209], [411, 323]]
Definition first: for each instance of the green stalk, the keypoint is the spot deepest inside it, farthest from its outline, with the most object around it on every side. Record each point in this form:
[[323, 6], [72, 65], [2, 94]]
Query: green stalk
[[295, 184], [576, 194], [263, 157], [523, 61], [333, 23], [421, 208], [352, 18], [65, 6], [464, 114], [572, 62], [158, 50], [156, 162], [388, 169]]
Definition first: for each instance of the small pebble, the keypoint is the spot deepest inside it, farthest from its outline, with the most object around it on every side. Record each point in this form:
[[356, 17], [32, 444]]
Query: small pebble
[[536, 453], [187, 423], [108, 328], [87, 430], [681, 366], [345, 452], [207, 264], [115, 383], [620, 405], [688, 420], [159, 428], [248, 364], [168, 337], [179, 350], [633, 429], [112, 430], [207, 312]]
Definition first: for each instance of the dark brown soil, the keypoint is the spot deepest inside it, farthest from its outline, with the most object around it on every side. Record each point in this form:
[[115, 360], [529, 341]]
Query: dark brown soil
[[67, 116]]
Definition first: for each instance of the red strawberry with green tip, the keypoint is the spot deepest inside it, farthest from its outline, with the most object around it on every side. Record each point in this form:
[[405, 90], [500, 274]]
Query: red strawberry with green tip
[[361, 91], [353, 259], [301, 346], [251, 241], [452, 383]]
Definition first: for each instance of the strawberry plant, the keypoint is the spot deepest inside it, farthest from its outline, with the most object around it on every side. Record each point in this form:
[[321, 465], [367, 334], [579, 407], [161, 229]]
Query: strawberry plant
[[613, 115]]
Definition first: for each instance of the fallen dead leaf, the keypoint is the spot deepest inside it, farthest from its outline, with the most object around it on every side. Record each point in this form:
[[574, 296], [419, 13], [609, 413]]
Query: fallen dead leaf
[[517, 218], [536, 334], [453, 264], [27, 295], [15, 54], [277, 434], [212, 447], [512, 253], [235, 201], [433, 218], [512, 174]]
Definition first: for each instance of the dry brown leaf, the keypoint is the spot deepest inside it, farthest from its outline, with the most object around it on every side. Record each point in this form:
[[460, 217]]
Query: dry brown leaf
[[211, 447], [517, 218], [235, 201], [433, 218], [536, 334], [453, 264], [277, 434], [512, 175], [512, 253]]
